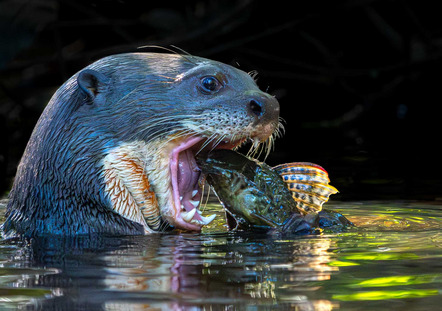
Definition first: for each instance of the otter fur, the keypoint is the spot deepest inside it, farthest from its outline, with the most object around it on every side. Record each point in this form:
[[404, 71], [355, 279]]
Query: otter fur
[[113, 152]]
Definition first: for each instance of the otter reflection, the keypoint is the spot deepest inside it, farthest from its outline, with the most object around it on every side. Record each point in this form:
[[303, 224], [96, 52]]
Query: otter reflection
[[176, 271]]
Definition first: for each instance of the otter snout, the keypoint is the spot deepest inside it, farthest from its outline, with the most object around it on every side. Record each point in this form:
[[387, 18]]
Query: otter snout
[[263, 107], [264, 111]]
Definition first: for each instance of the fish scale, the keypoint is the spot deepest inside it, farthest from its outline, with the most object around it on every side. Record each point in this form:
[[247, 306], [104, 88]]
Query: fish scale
[[286, 198]]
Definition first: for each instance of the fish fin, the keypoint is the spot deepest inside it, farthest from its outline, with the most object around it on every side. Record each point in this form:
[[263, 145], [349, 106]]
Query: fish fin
[[308, 183], [264, 220], [232, 222]]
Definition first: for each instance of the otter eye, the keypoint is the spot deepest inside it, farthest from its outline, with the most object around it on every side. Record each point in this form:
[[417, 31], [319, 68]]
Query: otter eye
[[210, 84]]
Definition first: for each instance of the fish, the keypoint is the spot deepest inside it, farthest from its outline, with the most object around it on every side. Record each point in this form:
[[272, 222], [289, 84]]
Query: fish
[[285, 198]]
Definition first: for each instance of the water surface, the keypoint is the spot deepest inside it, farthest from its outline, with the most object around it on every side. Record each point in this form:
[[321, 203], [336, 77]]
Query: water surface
[[391, 261]]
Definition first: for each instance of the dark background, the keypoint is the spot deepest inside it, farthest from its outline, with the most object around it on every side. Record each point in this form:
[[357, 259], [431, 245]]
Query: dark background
[[359, 81]]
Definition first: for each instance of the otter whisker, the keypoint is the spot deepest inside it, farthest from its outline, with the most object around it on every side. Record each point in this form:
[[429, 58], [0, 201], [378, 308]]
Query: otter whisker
[[153, 120], [173, 117], [157, 127], [204, 197], [260, 149], [253, 74], [158, 47], [170, 50], [128, 95], [206, 143], [280, 129], [176, 135], [254, 149], [160, 122], [181, 50], [163, 226], [269, 144], [218, 141], [236, 137], [207, 196]]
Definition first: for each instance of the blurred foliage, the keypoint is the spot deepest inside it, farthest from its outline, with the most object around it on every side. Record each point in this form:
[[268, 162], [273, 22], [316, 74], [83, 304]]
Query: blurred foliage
[[358, 81]]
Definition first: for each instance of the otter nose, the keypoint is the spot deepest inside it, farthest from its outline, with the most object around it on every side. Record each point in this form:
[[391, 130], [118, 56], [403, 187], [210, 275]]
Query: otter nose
[[256, 108], [264, 108]]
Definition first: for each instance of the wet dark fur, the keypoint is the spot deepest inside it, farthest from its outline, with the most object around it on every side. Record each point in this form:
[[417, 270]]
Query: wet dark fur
[[59, 188]]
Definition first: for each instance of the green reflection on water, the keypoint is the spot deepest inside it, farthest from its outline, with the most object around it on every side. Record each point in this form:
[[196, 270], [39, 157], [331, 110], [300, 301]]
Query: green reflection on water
[[383, 295], [24, 292], [382, 256], [338, 263], [398, 280]]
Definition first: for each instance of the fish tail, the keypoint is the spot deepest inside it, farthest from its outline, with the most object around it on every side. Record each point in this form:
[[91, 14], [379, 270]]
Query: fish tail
[[308, 183]]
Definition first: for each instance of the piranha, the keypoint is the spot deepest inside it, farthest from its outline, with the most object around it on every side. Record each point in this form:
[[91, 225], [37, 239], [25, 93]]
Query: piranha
[[287, 198]]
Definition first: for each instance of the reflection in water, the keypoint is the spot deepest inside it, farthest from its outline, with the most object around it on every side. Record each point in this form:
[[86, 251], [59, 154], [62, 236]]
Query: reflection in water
[[374, 266], [169, 271], [267, 270]]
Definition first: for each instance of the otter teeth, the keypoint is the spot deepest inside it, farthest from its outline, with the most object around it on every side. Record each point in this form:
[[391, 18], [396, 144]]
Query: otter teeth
[[204, 220], [194, 203], [207, 220], [187, 216]]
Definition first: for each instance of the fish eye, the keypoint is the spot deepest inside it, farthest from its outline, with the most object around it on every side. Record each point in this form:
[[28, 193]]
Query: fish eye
[[210, 85]]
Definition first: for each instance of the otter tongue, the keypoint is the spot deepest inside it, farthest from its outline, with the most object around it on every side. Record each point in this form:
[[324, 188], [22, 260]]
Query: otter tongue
[[188, 175]]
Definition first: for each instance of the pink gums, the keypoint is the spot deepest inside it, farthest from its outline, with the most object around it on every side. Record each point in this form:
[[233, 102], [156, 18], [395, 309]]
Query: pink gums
[[184, 177]]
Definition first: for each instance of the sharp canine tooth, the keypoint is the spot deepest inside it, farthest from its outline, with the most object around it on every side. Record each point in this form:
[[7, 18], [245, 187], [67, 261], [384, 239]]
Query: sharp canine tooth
[[187, 216], [194, 203], [195, 221], [207, 220], [194, 192]]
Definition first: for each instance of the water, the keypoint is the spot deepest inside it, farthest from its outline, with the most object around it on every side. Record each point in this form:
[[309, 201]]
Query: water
[[392, 261]]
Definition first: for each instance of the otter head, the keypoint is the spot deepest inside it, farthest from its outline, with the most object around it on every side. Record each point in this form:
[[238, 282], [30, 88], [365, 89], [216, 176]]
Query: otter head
[[131, 126]]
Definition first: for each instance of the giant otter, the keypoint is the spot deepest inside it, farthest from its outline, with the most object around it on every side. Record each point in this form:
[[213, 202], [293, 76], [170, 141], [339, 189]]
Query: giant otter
[[114, 150]]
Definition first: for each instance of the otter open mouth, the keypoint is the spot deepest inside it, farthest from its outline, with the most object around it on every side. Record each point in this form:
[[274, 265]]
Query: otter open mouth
[[166, 187], [186, 182]]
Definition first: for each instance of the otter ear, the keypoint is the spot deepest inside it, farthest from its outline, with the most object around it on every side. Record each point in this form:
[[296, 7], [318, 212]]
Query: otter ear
[[92, 83]]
